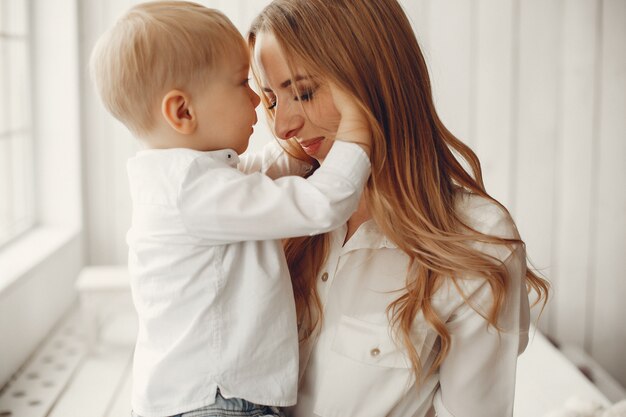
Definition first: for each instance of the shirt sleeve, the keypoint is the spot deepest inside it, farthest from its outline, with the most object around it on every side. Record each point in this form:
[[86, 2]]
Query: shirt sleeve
[[274, 162], [223, 205], [477, 378]]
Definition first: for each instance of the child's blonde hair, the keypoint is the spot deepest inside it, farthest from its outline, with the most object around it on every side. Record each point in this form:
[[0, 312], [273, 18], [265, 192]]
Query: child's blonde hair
[[155, 47]]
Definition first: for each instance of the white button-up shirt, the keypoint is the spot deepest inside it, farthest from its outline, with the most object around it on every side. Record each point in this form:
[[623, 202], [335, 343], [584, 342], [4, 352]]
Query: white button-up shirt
[[210, 282], [353, 367]]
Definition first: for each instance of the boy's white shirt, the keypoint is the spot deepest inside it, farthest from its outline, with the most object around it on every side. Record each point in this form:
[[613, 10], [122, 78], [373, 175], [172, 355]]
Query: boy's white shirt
[[209, 277]]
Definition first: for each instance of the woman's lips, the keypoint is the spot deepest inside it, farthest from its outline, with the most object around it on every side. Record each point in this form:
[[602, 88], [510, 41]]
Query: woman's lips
[[311, 146]]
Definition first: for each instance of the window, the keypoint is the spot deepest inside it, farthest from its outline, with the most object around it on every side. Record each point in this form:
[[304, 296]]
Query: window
[[40, 267], [16, 130]]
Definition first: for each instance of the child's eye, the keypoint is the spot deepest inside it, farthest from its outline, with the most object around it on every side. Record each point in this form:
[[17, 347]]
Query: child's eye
[[245, 82], [272, 104]]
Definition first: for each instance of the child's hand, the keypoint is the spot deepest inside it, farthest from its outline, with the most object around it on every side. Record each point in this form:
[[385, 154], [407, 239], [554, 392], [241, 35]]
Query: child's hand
[[353, 126]]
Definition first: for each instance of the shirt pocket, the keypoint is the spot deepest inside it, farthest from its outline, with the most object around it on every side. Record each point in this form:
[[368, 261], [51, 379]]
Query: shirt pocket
[[365, 372]]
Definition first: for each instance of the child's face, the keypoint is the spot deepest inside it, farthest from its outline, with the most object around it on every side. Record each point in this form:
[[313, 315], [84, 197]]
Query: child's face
[[225, 108]]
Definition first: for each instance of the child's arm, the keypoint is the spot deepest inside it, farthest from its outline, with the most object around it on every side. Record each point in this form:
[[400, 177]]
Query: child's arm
[[222, 204], [274, 162]]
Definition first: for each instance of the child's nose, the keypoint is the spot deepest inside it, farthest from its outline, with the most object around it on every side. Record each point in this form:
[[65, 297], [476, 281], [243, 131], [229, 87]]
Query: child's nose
[[254, 97]]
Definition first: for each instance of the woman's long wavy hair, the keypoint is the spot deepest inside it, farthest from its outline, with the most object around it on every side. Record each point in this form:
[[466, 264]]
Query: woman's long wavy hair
[[368, 48]]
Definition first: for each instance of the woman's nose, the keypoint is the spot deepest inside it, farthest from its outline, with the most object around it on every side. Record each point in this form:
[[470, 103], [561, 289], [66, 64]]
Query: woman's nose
[[287, 122]]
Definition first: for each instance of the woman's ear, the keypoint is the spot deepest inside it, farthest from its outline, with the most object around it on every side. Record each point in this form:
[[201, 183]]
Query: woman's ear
[[177, 111]]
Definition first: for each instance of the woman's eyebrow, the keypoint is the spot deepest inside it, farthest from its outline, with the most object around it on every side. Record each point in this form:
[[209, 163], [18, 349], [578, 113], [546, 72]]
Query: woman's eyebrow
[[287, 83]]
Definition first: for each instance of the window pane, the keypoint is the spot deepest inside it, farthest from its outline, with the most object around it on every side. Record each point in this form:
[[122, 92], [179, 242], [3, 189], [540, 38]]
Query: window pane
[[5, 190], [22, 179], [3, 13], [16, 147], [4, 144], [16, 185], [18, 88], [16, 17], [4, 94]]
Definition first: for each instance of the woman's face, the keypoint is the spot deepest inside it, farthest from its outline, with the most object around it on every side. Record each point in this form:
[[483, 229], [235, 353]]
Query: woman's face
[[310, 115]]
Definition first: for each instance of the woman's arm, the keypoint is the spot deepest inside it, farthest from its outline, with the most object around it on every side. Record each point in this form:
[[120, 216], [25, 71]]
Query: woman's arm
[[477, 378]]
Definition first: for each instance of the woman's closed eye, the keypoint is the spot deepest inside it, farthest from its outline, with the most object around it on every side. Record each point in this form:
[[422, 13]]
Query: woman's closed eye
[[305, 95]]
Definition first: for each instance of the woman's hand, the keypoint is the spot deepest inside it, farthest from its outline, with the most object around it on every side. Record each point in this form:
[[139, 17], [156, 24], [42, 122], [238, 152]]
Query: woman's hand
[[353, 126]]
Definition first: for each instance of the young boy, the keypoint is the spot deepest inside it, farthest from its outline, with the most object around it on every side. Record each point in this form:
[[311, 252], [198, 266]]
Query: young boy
[[217, 333]]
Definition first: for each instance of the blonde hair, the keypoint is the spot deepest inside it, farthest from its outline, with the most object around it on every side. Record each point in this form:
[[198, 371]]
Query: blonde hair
[[368, 48], [155, 47]]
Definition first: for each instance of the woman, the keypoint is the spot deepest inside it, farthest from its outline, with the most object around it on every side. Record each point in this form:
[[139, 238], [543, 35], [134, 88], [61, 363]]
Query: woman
[[419, 305]]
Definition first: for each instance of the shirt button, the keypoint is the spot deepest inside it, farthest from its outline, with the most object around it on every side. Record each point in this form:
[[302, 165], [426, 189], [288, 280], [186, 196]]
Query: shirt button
[[325, 276], [375, 352]]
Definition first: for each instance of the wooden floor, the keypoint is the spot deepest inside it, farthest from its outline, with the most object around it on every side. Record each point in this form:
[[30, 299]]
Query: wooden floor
[[70, 377]]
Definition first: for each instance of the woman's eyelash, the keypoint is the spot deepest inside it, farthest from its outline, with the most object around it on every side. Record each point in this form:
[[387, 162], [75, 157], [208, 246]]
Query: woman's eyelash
[[306, 95]]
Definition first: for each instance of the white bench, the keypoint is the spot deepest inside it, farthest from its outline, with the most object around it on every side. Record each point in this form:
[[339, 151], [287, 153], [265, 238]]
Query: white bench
[[546, 380], [105, 302]]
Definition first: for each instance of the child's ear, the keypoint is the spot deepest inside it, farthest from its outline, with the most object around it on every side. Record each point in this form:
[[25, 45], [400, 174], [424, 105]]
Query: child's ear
[[177, 111]]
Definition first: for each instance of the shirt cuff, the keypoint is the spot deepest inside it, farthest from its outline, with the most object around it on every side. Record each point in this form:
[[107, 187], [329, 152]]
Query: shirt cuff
[[349, 160]]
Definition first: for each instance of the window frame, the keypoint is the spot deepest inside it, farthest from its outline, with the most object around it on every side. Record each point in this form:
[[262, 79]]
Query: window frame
[[16, 121]]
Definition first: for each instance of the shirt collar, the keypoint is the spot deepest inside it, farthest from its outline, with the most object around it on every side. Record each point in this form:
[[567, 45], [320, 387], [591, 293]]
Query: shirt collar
[[228, 156], [367, 236]]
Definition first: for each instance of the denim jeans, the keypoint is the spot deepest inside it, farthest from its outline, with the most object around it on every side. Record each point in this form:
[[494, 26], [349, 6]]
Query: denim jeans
[[230, 407]]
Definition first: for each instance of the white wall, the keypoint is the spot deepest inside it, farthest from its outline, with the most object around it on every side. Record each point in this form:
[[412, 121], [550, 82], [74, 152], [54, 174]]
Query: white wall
[[537, 88]]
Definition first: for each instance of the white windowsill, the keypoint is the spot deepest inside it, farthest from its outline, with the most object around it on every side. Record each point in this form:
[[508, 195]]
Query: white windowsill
[[37, 245]]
